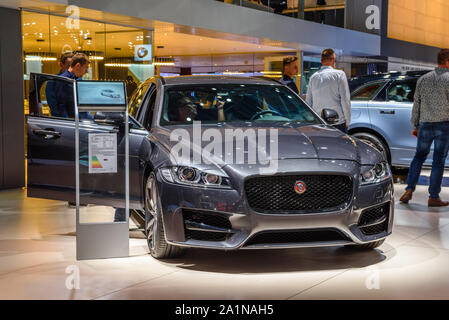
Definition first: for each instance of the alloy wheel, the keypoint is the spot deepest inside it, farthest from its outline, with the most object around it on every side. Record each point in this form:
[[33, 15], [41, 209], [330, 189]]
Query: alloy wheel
[[152, 210]]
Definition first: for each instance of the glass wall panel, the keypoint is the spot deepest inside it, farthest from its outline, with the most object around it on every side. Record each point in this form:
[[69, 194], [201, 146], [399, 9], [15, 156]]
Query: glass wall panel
[[116, 52], [87, 38], [129, 55]]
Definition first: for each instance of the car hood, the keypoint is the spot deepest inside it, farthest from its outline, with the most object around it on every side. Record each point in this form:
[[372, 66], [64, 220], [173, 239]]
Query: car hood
[[294, 141]]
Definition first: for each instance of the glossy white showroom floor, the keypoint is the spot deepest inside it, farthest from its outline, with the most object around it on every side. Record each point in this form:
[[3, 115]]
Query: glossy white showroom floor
[[37, 244]]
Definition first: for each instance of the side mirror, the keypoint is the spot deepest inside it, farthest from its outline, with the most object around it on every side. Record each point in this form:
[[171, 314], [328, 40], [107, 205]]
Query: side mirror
[[110, 118], [330, 116]]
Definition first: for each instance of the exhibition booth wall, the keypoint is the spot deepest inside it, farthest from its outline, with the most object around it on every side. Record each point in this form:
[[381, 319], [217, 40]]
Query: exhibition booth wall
[[12, 164]]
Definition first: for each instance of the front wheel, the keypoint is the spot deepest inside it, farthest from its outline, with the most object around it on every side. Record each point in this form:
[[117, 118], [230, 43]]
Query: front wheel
[[154, 227]]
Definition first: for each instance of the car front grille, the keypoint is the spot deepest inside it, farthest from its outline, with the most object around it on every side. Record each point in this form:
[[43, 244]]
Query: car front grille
[[276, 194], [370, 216], [209, 219], [296, 237]]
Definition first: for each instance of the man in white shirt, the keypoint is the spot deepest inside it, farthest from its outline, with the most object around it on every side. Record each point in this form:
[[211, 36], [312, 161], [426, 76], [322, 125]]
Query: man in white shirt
[[328, 89]]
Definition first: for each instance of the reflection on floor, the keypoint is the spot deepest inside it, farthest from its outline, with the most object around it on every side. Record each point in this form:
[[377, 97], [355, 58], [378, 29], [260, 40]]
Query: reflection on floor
[[400, 176], [37, 260]]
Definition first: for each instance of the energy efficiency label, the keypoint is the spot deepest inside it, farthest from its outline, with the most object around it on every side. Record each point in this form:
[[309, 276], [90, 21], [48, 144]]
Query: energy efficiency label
[[102, 152]]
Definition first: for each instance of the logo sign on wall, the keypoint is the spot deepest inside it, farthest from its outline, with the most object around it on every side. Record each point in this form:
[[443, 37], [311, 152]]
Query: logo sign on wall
[[143, 52], [373, 20]]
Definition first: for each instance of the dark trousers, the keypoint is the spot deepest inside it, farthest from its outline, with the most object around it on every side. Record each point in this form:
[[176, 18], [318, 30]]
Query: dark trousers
[[120, 215], [428, 133], [342, 127]]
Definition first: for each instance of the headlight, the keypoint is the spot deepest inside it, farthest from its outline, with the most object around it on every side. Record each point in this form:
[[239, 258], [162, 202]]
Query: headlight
[[194, 177], [380, 172]]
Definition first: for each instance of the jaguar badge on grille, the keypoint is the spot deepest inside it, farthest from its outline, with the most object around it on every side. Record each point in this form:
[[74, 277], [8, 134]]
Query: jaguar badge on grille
[[300, 187]]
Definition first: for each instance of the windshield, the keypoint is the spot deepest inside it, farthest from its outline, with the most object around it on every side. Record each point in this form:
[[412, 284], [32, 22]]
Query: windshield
[[234, 103]]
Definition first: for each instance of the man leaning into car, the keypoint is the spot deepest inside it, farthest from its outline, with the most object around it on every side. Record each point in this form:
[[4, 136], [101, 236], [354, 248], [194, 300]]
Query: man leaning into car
[[50, 92], [65, 106], [430, 120]]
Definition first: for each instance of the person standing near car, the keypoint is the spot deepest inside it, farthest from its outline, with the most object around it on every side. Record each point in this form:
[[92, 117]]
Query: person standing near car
[[50, 93], [430, 120], [65, 107], [290, 70], [64, 62], [328, 89]]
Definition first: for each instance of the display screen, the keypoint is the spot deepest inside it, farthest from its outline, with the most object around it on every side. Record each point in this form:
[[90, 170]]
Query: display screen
[[101, 93]]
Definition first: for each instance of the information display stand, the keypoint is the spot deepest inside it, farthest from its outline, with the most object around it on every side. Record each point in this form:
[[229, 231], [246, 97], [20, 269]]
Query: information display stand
[[97, 240]]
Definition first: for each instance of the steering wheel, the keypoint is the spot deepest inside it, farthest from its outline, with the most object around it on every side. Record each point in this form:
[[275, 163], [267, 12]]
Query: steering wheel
[[264, 112]]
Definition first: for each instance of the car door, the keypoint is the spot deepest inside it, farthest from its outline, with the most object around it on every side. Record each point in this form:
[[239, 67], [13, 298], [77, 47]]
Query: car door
[[391, 118], [51, 153], [50, 143], [360, 98]]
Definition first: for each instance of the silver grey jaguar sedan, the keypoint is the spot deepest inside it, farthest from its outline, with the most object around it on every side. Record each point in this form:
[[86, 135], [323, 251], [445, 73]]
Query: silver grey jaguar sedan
[[231, 163]]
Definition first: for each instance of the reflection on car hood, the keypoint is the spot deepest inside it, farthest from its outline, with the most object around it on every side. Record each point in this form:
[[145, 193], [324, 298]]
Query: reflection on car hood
[[294, 142]]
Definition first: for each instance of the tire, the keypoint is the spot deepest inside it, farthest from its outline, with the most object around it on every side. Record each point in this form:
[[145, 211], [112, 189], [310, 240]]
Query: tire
[[154, 227], [374, 142], [369, 246]]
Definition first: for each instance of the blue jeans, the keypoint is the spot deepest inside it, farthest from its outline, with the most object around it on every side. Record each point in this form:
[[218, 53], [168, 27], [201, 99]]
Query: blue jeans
[[438, 133]]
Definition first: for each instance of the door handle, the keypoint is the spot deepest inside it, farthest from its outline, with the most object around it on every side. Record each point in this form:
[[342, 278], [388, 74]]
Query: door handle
[[387, 112], [47, 134]]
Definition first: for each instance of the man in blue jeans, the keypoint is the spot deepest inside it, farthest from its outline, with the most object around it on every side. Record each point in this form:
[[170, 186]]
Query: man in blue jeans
[[430, 120]]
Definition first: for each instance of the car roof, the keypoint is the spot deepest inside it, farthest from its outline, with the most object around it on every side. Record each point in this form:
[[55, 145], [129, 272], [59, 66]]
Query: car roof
[[357, 82], [218, 79], [391, 75]]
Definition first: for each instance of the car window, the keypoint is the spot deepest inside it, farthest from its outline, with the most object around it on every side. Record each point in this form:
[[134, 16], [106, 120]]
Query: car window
[[232, 103], [136, 99], [149, 109], [402, 91], [368, 91]]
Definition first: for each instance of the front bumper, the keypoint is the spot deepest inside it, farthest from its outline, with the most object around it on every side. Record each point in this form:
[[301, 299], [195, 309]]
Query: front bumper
[[245, 224]]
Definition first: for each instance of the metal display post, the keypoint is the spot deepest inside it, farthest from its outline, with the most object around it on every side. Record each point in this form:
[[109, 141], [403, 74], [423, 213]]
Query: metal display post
[[101, 240]]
